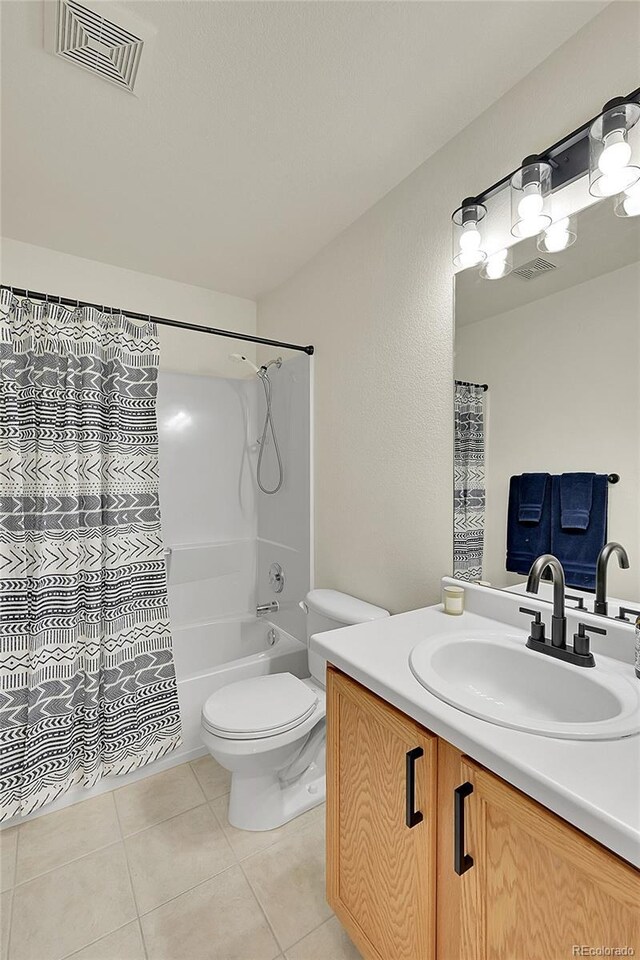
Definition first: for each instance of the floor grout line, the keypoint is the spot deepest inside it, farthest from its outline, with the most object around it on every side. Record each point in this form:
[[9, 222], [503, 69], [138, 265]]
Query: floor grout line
[[201, 803], [174, 816], [144, 942], [294, 831], [133, 889], [98, 939], [308, 934], [262, 909], [66, 863], [12, 892], [201, 785], [215, 876]]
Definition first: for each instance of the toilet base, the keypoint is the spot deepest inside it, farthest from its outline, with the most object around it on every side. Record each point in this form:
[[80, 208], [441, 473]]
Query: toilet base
[[265, 802]]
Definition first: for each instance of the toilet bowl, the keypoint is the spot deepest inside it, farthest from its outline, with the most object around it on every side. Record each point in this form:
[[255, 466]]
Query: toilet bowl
[[269, 732]]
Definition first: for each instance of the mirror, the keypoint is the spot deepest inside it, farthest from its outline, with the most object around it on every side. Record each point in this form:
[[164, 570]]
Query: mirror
[[557, 345]]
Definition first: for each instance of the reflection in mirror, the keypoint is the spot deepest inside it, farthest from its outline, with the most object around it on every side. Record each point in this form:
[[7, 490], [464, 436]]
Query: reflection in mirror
[[547, 413]]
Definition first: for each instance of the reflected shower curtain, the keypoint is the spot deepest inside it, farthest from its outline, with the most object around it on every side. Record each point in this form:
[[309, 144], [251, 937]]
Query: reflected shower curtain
[[469, 492], [87, 681]]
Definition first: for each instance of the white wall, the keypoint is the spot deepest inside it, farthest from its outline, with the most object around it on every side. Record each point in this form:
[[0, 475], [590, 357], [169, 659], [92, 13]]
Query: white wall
[[564, 395], [60, 274], [377, 304]]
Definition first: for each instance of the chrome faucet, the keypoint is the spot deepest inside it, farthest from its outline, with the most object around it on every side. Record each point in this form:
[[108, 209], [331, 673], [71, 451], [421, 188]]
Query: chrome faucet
[[601, 605], [263, 608], [558, 620]]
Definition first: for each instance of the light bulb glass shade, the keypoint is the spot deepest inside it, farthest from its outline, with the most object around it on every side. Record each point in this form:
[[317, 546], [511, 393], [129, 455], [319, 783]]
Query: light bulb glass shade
[[468, 240], [531, 199], [614, 150], [560, 235], [628, 203], [497, 265]]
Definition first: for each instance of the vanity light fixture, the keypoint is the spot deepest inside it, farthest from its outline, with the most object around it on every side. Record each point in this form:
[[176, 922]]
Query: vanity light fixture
[[531, 198], [613, 167], [628, 203], [560, 235], [467, 235], [607, 148], [497, 265]]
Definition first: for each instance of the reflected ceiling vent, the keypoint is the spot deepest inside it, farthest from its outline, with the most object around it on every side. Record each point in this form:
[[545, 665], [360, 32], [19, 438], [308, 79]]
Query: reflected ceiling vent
[[111, 47], [533, 268]]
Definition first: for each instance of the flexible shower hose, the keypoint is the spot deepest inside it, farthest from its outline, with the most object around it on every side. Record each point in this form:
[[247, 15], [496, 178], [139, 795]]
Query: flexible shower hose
[[268, 424]]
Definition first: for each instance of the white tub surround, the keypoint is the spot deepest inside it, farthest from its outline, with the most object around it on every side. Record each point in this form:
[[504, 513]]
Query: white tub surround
[[593, 784]]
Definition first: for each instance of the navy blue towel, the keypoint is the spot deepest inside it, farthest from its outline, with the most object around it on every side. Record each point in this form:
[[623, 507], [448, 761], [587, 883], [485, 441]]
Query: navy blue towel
[[576, 497], [526, 541], [578, 549], [533, 487]]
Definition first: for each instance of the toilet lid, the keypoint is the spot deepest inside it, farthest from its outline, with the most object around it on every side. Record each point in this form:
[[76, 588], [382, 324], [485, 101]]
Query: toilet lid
[[259, 707]]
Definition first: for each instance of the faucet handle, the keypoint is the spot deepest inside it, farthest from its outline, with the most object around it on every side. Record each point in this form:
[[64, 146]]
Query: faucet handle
[[581, 641], [537, 626], [579, 601], [622, 615]]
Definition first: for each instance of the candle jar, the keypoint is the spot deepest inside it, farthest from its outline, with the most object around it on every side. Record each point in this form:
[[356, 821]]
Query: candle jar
[[453, 599]]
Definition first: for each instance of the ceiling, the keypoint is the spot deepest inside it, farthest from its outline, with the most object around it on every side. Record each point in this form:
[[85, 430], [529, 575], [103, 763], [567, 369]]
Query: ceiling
[[263, 130], [603, 243]]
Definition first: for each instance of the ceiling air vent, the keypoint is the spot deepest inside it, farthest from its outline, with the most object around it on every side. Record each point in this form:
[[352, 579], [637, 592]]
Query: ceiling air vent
[[111, 47], [534, 268]]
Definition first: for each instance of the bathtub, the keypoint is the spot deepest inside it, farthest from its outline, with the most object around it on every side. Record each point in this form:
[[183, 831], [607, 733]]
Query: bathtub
[[203, 661]]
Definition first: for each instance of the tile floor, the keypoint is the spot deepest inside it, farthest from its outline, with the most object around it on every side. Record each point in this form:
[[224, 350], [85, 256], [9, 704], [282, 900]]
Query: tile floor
[[154, 871]]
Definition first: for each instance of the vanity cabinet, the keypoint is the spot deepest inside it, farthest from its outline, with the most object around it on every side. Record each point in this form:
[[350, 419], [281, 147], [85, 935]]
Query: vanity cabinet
[[538, 889], [381, 824], [528, 885]]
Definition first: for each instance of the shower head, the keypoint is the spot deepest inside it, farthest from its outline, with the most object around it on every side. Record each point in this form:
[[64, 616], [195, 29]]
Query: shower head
[[240, 358]]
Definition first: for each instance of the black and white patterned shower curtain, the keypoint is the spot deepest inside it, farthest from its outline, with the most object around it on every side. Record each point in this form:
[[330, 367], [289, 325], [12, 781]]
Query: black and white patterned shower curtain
[[87, 680], [469, 490]]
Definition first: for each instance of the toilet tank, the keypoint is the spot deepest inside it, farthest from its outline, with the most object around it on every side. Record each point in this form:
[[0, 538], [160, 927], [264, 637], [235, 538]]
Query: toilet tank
[[330, 610]]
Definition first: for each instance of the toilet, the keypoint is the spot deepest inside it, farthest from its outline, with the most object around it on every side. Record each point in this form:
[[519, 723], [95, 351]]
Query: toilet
[[270, 731]]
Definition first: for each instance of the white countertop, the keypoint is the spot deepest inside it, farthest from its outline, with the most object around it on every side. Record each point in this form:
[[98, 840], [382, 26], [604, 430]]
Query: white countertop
[[593, 784]]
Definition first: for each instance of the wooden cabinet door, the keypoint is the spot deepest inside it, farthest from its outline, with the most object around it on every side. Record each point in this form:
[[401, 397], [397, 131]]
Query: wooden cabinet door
[[380, 871], [538, 888]]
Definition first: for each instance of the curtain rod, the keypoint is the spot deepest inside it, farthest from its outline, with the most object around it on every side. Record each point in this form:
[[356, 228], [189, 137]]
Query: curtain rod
[[468, 383], [161, 321]]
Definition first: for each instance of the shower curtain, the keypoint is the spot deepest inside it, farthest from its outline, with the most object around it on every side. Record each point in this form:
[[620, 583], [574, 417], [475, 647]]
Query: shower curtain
[[87, 680], [469, 492]]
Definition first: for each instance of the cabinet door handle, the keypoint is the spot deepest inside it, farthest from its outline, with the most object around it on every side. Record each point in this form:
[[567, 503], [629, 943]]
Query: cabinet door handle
[[461, 861], [413, 816]]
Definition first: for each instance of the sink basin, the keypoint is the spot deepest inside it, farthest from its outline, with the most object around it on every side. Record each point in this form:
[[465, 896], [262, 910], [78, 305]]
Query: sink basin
[[495, 677]]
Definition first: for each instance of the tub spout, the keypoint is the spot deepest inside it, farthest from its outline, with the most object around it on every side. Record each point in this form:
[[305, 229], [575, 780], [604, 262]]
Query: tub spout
[[263, 608]]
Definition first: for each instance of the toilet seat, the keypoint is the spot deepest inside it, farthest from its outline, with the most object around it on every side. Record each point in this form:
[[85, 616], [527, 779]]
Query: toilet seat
[[259, 707]]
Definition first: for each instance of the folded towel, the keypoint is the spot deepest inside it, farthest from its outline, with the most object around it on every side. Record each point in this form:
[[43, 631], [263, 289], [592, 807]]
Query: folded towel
[[576, 496], [533, 487], [578, 549], [526, 541]]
